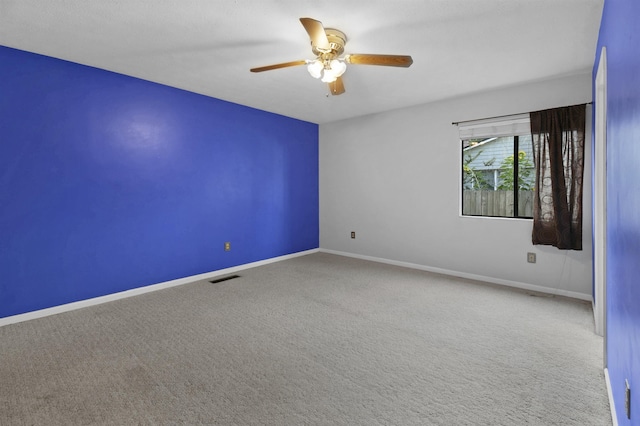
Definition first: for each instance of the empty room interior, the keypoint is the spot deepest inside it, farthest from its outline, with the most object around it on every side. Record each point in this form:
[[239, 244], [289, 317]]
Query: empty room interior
[[320, 212]]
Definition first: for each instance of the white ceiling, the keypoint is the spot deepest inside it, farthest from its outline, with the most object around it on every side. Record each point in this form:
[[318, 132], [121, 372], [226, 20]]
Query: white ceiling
[[208, 46]]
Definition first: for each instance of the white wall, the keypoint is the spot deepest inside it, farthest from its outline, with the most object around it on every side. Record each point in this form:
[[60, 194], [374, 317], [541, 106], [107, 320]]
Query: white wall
[[394, 178]]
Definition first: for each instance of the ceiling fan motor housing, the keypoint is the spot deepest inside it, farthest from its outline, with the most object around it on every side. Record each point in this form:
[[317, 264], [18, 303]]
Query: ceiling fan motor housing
[[337, 40]]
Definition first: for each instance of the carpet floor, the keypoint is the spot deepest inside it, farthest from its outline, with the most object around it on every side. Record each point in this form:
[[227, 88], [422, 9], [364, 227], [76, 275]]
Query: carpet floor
[[315, 340]]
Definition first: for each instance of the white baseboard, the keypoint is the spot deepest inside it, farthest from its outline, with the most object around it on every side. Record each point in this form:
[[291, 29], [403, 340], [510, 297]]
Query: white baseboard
[[612, 407], [141, 290], [492, 280], [154, 287]]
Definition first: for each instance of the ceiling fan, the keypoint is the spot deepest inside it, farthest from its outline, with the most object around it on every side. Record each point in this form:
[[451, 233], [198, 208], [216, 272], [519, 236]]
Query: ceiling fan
[[327, 44]]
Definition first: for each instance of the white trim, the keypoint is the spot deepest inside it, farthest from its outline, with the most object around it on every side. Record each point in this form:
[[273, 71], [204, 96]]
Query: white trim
[[612, 407], [141, 290], [466, 216], [459, 163], [492, 280], [600, 201]]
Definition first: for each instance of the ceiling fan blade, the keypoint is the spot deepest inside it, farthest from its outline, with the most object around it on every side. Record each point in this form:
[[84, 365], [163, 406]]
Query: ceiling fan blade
[[276, 66], [385, 60], [337, 87], [316, 32]]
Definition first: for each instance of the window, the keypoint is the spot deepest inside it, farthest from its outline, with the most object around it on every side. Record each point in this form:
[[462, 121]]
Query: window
[[497, 168]]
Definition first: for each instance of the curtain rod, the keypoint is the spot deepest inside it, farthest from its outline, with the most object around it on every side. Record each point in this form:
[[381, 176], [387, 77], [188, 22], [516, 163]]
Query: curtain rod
[[455, 123]]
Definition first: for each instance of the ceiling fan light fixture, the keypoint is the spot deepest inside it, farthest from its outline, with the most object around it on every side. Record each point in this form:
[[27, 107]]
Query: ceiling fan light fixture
[[329, 76], [334, 69], [338, 67], [315, 68]]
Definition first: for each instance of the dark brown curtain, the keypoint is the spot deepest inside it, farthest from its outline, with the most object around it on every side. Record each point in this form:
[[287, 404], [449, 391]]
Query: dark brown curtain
[[558, 149]]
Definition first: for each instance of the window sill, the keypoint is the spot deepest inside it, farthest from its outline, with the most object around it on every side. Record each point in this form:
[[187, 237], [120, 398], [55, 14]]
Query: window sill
[[529, 219]]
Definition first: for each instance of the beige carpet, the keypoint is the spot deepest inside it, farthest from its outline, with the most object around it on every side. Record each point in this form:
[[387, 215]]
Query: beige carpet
[[315, 340]]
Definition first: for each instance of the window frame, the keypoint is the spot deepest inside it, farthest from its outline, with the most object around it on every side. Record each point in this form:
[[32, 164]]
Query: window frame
[[461, 159]]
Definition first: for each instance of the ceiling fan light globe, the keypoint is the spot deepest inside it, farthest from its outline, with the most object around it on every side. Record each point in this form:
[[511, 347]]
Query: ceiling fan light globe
[[329, 76], [338, 67], [315, 69]]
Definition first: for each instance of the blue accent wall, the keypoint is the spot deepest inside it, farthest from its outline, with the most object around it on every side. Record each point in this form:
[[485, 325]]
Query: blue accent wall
[[109, 183], [619, 34]]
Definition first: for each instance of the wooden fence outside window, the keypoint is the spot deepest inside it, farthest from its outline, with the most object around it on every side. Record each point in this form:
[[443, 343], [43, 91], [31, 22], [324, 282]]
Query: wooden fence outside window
[[496, 203]]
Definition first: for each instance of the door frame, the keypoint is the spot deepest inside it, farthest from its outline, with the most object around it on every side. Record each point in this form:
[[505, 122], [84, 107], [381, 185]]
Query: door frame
[[600, 202]]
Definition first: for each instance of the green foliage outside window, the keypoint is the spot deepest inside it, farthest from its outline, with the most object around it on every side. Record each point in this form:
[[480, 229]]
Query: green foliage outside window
[[472, 178], [525, 173]]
